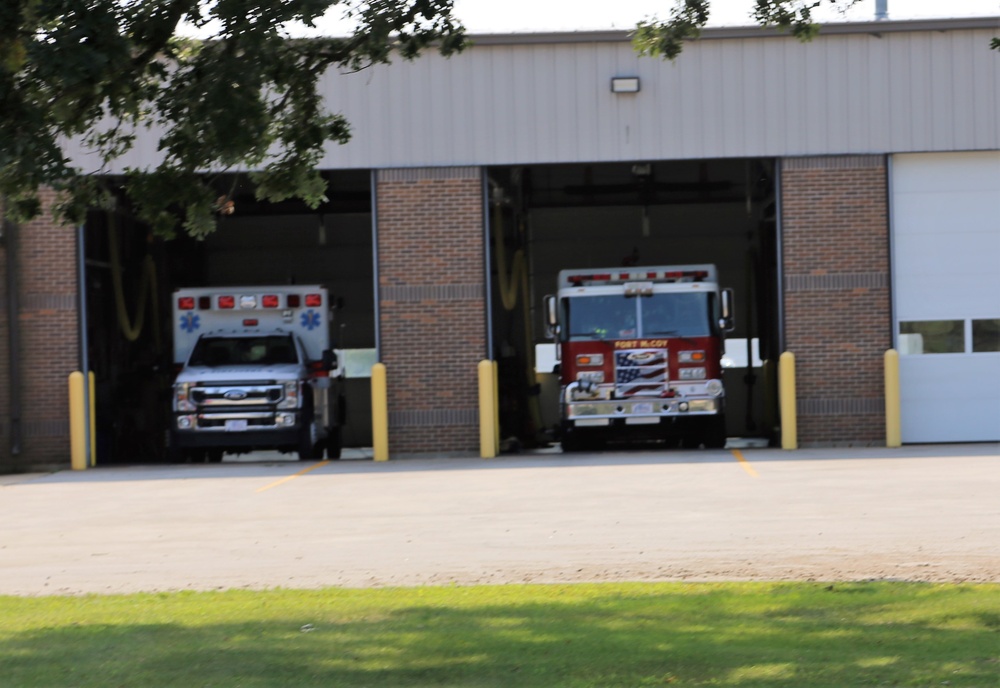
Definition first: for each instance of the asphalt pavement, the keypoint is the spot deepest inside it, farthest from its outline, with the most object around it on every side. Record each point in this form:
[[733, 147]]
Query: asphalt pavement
[[929, 513]]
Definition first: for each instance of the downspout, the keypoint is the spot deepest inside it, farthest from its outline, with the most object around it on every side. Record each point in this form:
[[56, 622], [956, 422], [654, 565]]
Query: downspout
[[373, 181], [9, 240]]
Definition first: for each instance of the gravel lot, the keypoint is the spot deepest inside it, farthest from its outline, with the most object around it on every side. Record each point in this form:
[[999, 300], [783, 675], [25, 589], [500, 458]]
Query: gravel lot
[[926, 513]]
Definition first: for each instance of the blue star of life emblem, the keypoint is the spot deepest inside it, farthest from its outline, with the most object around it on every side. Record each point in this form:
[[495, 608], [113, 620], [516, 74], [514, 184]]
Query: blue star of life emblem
[[310, 320], [190, 322]]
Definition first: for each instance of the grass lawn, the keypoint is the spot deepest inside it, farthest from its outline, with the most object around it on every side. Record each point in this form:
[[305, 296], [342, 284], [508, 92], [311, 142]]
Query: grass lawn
[[601, 635]]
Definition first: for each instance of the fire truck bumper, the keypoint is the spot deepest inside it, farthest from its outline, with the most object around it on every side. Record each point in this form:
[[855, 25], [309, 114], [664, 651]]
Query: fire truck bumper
[[638, 411]]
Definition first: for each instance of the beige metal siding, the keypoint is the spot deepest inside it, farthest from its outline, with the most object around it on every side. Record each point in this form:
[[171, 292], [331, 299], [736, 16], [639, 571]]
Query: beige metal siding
[[755, 94]]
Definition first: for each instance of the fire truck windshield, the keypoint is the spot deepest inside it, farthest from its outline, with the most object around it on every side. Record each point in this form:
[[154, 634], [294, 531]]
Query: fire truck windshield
[[656, 315], [265, 350]]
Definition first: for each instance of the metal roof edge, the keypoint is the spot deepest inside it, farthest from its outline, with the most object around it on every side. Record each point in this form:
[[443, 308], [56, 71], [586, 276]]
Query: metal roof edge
[[725, 32]]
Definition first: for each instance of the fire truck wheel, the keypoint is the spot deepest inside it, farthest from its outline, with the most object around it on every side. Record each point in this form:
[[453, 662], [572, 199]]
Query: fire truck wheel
[[334, 442], [715, 433], [571, 441]]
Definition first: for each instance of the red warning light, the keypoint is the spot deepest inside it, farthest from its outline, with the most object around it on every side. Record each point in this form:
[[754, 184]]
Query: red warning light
[[186, 303], [269, 301], [314, 300], [227, 302]]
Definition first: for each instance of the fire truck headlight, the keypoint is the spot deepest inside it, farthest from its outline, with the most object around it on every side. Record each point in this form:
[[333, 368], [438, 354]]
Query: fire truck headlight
[[714, 387], [692, 373], [290, 398], [182, 396], [596, 377], [590, 360], [690, 356]]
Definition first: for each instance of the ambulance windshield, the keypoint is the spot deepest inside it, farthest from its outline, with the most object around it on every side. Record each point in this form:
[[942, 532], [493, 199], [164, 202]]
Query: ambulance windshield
[[263, 350]]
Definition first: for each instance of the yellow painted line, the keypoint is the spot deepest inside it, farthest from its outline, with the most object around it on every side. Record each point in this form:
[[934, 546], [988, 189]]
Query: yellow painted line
[[743, 462], [293, 477]]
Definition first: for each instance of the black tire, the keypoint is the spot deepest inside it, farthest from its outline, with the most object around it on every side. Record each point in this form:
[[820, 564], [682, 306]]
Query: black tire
[[214, 455], [307, 449], [334, 443], [715, 433]]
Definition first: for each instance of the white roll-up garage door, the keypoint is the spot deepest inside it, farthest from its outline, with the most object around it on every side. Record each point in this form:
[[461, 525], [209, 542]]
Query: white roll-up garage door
[[946, 289]]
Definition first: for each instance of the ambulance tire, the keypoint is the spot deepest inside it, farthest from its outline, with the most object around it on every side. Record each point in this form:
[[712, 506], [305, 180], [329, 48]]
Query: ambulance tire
[[307, 449], [334, 442], [214, 455]]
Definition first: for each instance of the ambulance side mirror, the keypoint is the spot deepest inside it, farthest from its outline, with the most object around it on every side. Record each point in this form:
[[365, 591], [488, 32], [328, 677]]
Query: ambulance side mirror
[[727, 321], [329, 360], [551, 317]]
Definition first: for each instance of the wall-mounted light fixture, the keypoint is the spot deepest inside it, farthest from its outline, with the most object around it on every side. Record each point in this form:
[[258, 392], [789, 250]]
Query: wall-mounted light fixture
[[625, 84]]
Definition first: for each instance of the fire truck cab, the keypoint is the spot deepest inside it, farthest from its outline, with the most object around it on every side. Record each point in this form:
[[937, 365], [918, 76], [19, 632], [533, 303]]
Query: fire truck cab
[[640, 352], [256, 371]]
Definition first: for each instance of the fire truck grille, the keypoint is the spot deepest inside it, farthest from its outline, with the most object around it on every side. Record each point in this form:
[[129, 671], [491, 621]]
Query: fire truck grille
[[640, 372]]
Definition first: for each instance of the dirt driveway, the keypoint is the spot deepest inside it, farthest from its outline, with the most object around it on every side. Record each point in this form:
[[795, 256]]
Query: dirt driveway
[[928, 513]]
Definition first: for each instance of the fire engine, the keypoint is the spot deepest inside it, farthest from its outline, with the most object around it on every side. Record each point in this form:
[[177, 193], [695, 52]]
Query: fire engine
[[640, 352], [256, 371]]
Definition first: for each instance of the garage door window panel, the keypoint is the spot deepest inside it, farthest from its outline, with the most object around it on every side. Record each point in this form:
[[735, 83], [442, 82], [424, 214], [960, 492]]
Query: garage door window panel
[[932, 337], [986, 335]]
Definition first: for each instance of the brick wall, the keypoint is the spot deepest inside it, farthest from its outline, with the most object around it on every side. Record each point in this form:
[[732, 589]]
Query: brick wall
[[835, 243], [48, 340], [432, 306]]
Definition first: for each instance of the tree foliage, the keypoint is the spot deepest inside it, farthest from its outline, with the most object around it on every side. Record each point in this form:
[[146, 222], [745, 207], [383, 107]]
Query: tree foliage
[[244, 97], [665, 38]]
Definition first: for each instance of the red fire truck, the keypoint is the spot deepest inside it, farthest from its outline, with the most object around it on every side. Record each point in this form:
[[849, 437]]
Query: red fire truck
[[640, 352]]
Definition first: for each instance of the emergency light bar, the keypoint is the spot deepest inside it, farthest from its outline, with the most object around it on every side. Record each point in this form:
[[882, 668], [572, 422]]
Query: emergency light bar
[[248, 302], [622, 277]]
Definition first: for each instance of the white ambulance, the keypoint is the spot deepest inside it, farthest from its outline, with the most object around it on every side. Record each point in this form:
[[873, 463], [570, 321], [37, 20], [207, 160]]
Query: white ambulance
[[256, 372]]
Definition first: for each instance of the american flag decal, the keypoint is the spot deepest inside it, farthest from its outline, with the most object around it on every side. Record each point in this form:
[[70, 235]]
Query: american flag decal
[[640, 372]]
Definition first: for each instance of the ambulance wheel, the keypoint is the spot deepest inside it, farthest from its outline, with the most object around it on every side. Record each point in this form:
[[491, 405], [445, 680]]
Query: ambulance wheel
[[214, 455], [307, 448], [334, 442]]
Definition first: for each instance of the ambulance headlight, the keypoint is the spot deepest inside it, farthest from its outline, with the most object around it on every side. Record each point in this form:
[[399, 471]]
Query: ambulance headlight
[[714, 387], [182, 396], [290, 398], [185, 422]]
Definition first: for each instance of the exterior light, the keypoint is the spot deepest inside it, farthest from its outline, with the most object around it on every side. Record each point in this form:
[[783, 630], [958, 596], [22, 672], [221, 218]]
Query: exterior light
[[625, 84]]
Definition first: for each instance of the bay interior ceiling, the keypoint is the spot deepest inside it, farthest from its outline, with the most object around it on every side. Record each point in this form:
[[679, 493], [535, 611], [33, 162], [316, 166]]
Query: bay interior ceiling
[[638, 213], [261, 243]]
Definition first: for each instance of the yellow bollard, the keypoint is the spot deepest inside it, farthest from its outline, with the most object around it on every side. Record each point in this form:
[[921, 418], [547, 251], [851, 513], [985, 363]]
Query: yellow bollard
[[496, 407], [77, 422], [487, 411], [893, 415], [786, 400], [93, 418], [380, 414]]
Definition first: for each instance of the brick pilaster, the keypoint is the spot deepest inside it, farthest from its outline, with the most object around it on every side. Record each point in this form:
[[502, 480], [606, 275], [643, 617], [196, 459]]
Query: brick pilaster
[[835, 243], [432, 305], [48, 337]]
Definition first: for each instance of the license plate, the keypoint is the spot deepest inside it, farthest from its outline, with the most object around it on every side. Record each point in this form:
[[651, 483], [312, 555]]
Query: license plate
[[642, 408], [237, 425]]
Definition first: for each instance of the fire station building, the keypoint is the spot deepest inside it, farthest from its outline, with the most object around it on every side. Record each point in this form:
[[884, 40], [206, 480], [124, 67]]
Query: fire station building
[[847, 189]]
